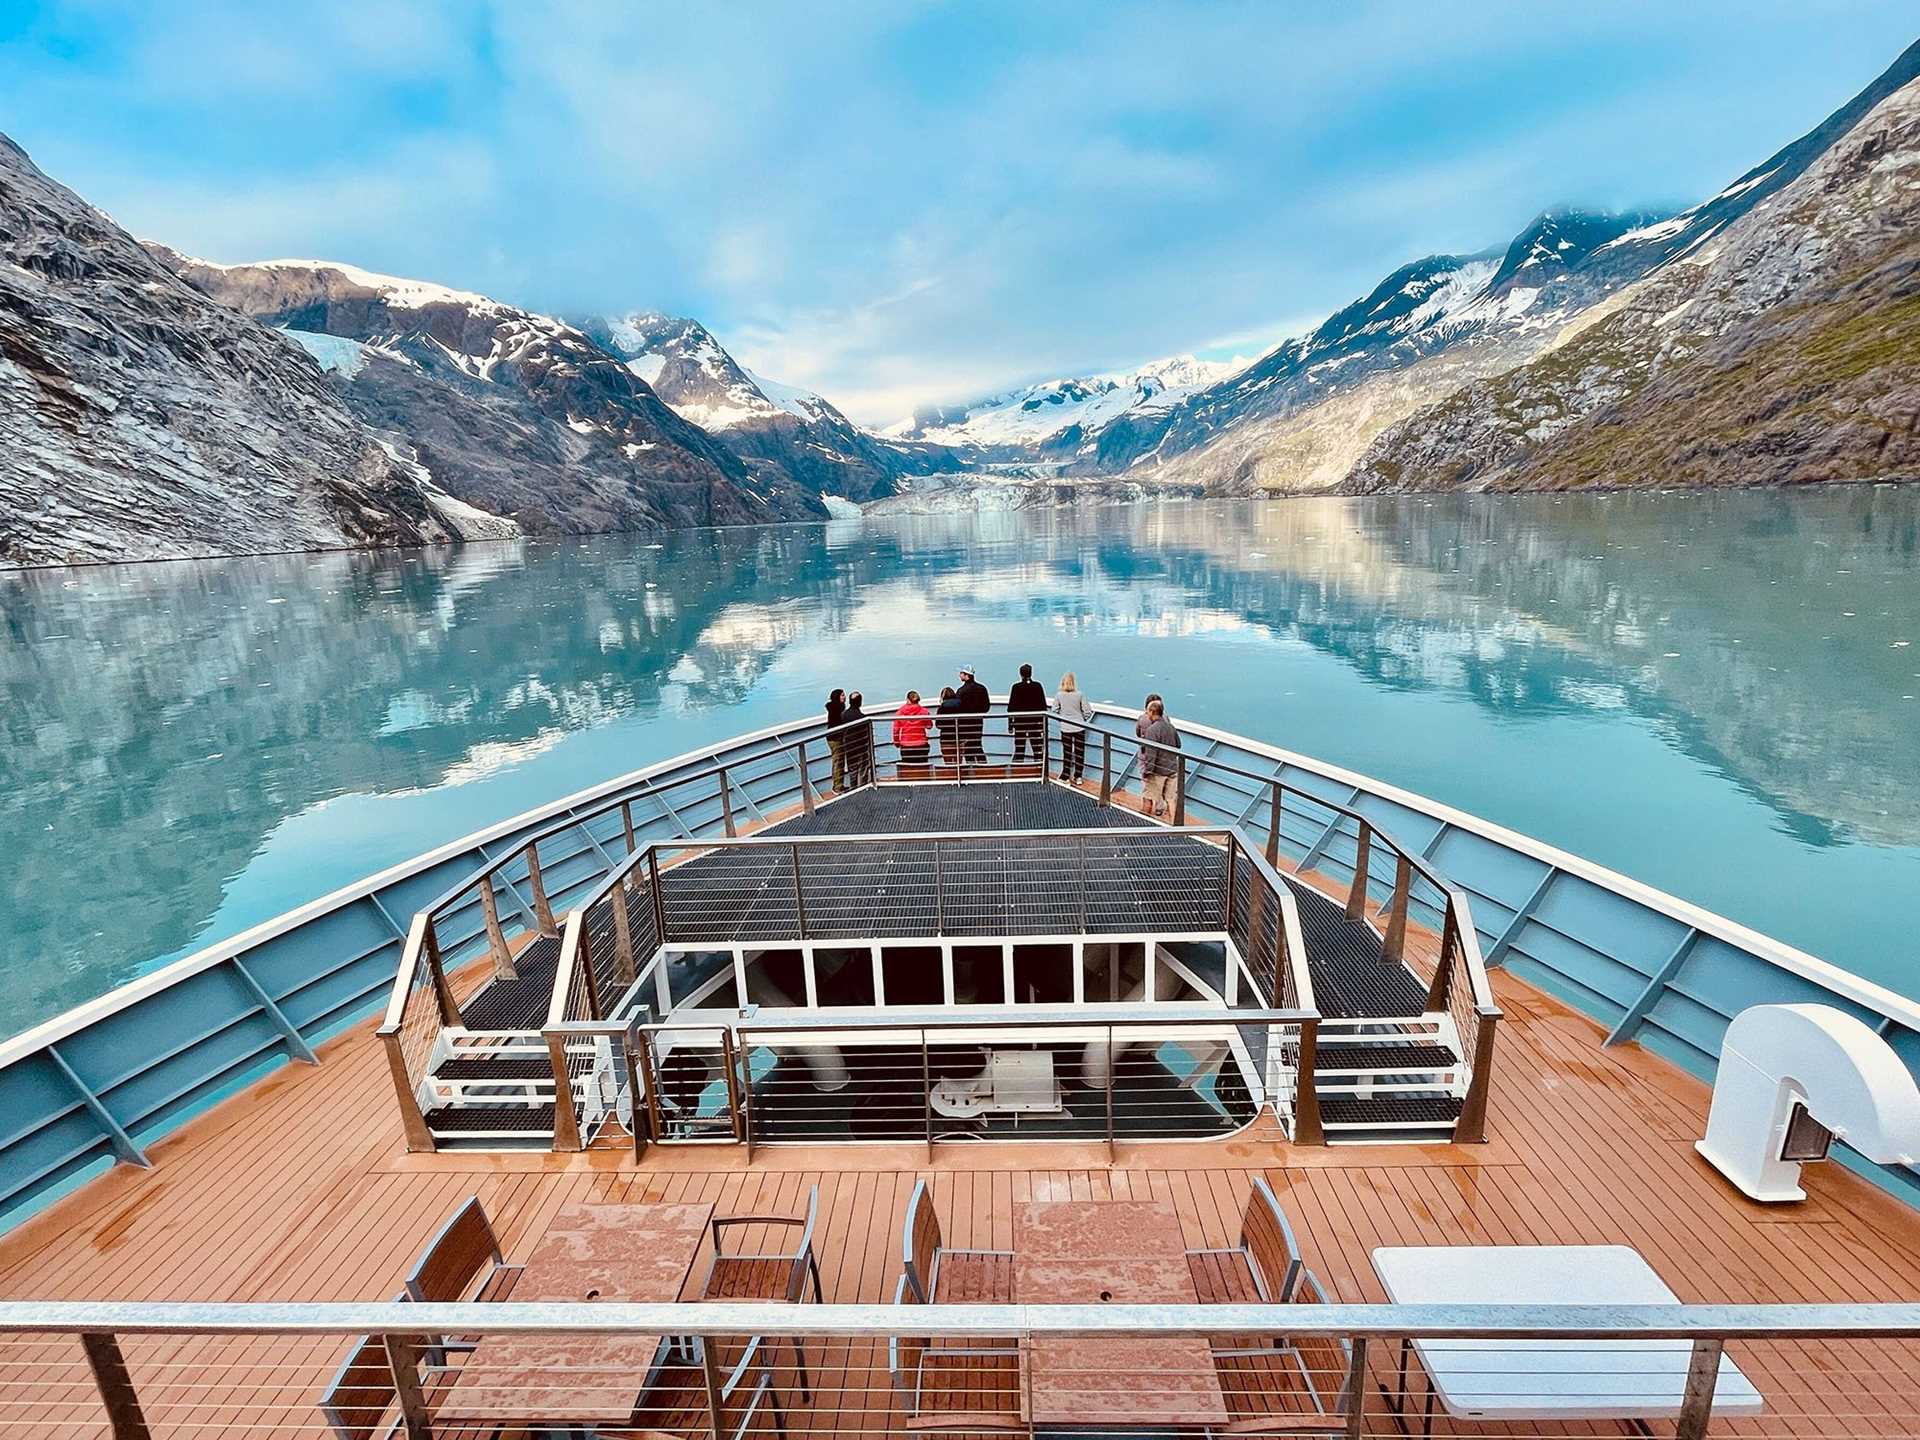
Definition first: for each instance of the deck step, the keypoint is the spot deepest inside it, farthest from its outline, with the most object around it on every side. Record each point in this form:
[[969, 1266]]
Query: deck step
[[1394, 1109], [470, 1066], [469, 1122], [1383, 1055]]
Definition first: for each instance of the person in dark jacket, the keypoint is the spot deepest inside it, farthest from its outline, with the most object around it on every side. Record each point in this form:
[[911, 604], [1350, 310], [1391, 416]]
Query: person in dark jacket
[[972, 701], [859, 744], [837, 744], [949, 723], [1158, 759], [1026, 716]]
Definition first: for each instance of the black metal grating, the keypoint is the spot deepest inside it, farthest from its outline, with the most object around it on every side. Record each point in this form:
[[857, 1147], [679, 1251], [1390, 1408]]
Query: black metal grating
[[522, 1002], [1390, 1108], [468, 1119], [980, 805], [1352, 977]]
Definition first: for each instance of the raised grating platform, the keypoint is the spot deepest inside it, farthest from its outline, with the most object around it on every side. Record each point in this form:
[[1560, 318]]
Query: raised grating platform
[[1352, 978], [520, 1003], [977, 805]]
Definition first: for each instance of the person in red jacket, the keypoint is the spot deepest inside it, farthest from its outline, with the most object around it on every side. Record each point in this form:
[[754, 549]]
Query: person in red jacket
[[910, 724]]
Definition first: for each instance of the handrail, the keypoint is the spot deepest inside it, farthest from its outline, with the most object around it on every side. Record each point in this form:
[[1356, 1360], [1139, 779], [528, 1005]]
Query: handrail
[[1849, 1321]]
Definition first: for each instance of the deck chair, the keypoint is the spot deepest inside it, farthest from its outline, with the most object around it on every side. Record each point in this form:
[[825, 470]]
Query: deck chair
[[938, 1275], [361, 1403], [972, 1387], [675, 1405], [464, 1251], [759, 1275], [1262, 1269], [1287, 1385]]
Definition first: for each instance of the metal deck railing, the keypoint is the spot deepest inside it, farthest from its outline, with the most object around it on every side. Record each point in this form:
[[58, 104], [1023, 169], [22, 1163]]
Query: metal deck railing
[[183, 1371]]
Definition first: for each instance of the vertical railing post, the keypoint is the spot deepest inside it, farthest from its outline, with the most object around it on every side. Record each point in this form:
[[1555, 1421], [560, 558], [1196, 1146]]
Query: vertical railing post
[[1362, 861], [622, 932], [403, 1359], [926, 1089], [710, 1375], [595, 1011], [730, 1061], [626, 825], [1696, 1401], [648, 1080], [1046, 749], [1471, 1127], [496, 937], [1396, 941], [806, 780], [542, 911], [1113, 1079], [1440, 989], [1307, 1129], [419, 1137], [1226, 895], [1273, 827], [726, 805], [1082, 843], [939, 892], [1106, 767], [117, 1395], [1356, 1389], [632, 1063], [1180, 790], [566, 1120], [799, 893], [659, 898], [442, 991]]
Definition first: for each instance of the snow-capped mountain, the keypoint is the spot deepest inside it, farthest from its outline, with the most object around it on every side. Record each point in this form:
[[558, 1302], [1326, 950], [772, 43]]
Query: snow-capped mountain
[[139, 420], [1054, 417], [518, 416], [778, 431]]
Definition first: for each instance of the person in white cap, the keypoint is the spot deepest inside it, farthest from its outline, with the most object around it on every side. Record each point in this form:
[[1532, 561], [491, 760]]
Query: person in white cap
[[972, 701]]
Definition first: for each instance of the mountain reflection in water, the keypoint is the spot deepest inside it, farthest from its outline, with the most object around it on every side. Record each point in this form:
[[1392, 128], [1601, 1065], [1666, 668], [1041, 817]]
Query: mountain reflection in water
[[1713, 693]]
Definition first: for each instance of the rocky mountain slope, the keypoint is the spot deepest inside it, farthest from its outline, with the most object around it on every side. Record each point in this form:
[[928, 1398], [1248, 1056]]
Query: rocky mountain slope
[[778, 431], [139, 420], [1784, 348], [516, 414]]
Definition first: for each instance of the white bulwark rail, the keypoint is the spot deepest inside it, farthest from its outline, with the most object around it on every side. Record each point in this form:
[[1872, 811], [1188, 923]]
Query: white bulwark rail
[[99, 1084]]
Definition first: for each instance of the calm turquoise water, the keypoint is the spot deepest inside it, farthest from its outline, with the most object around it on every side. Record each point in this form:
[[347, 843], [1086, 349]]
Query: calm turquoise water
[[1715, 694]]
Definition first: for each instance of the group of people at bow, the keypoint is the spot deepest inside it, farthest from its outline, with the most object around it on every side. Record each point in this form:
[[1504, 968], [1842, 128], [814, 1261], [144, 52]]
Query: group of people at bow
[[958, 719]]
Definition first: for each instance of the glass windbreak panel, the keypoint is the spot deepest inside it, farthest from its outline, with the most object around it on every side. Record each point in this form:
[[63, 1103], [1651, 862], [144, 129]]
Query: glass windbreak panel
[[979, 976], [1115, 971], [1043, 974], [776, 979], [844, 977], [689, 973], [912, 975]]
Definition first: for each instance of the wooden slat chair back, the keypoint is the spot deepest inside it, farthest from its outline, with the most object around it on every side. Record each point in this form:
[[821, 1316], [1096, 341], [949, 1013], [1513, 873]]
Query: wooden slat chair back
[[773, 1275], [1287, 1385], [944, 1276], [675, 1405], [465, 1251], [361, 1402], [1268, 1240], [1262, 1269], [966, 1387]]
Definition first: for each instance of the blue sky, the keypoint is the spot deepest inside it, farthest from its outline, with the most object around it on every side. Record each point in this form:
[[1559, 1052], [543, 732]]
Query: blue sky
[[896, 204]]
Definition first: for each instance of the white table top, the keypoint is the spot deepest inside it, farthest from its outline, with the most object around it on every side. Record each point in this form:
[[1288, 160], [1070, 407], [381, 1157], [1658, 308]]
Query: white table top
[[1550, 1379]]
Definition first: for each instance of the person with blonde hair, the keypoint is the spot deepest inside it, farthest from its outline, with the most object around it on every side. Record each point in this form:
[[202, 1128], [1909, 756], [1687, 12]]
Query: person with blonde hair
[[1076, 714]]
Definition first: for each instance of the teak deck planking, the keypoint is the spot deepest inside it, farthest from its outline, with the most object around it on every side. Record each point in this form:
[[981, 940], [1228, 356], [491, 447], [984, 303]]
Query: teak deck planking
[[300, 1189]]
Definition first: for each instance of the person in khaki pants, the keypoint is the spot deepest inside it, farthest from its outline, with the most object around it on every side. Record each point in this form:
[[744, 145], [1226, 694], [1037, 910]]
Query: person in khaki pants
[[1156, 766]]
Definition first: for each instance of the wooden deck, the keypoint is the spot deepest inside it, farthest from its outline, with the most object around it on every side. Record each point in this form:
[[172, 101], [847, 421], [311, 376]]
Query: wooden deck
[[300, 1189]]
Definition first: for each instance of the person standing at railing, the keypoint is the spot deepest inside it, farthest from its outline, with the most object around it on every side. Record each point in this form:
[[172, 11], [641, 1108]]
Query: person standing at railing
[[859, 746], [1157, 765], [836, 741], [910, 724], [949, 726], [1026, 716], [1076, 714], [973, 702]]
